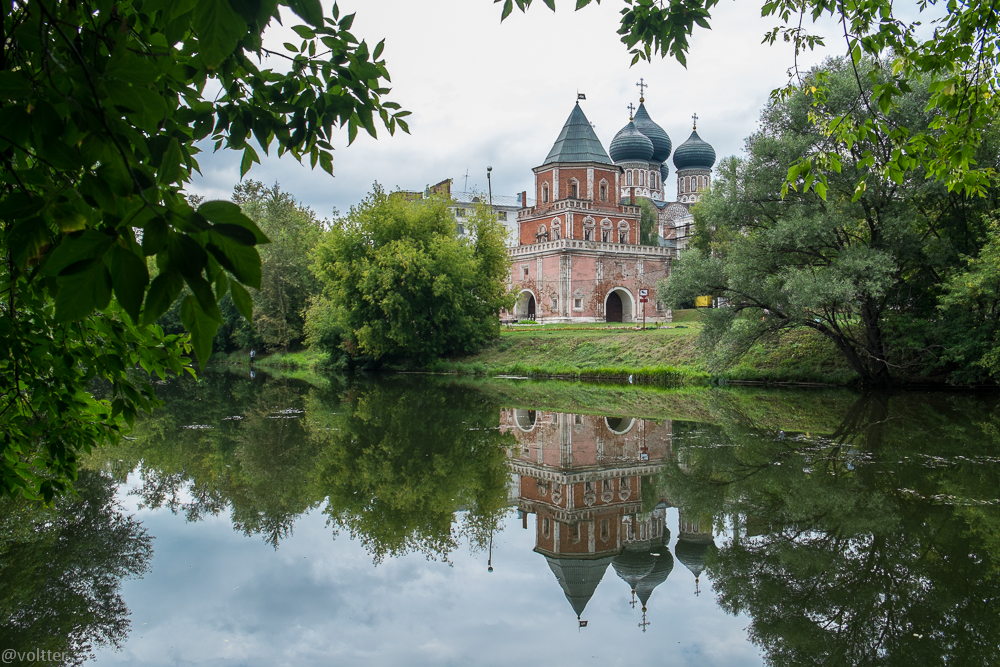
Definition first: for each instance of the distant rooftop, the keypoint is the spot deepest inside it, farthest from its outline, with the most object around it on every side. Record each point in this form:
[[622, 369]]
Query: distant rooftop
[[507, 201]]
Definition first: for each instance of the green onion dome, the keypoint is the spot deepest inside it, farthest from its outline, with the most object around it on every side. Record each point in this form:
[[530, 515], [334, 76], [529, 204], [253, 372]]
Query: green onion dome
[[632, 566], [631, 144], [664, 172], [694, 154], [655, 133]]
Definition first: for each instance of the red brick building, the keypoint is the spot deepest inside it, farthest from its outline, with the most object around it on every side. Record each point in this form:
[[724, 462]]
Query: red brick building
[[579, 256]]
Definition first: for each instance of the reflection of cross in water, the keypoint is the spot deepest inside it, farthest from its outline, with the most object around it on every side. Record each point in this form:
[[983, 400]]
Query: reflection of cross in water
[[644, 622], [633, 601], [631, 108]]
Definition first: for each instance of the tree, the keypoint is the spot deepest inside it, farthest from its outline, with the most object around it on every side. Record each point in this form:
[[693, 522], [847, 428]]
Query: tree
[[648, 221], [863, 269], [287, 284], [102, 109], [959, 58], [972, 298], [62, 567], [399, 460], [406, 285]]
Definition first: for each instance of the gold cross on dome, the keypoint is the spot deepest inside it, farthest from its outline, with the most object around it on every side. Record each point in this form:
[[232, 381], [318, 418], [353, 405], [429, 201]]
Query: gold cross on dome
[[694, 117], [631, 108], [642, 89]]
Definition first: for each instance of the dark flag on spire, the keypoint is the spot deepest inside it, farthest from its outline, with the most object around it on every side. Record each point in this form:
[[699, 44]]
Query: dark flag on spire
[[581, 96]]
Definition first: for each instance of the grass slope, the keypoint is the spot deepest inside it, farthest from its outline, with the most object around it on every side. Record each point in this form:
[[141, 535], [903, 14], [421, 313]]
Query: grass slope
[[665, 355]]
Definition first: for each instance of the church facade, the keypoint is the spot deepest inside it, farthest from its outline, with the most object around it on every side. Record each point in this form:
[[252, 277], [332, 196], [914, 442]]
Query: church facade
[[579, 255]]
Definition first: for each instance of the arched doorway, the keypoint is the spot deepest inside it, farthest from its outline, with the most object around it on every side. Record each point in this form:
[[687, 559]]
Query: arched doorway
[[525, 308], [613, 308]]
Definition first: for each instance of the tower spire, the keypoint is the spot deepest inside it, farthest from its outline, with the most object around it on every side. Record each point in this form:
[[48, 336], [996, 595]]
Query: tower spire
[[642, 85]]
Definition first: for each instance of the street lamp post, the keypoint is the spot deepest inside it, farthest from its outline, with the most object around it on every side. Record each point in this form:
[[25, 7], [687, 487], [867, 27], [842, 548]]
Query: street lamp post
[[489, 184]]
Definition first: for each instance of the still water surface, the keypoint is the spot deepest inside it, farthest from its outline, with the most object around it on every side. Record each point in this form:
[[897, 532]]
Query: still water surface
[[270, 522]]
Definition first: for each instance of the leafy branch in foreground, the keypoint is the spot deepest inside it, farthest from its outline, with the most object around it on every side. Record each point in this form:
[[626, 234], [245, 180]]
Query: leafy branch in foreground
[[102, 108]]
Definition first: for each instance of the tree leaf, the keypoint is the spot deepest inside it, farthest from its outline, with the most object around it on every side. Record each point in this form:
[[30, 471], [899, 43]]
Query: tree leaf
[[240, 260], [219, 29], [76, 248], [13, 86], [206, 298], [226, 212], [249, 157], [201, 327], [242, 300], [129, 278], [162, 294], [81, 293], [171, 167], [311, 11]]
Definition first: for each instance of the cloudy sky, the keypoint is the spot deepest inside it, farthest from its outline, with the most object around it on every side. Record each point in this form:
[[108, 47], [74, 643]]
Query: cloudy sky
[[484, 94]]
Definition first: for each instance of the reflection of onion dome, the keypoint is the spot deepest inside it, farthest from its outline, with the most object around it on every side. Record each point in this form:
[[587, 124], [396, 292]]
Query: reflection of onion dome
[[661, 141], [692, 555], [578, 578], [632, 566], [661, 570], [631, 144], [694, 153]]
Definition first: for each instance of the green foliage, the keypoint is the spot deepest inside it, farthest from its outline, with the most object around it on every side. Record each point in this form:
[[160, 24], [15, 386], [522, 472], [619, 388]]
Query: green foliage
[[868, 546], [648, 222], [62, 568], [101, 112], [271, 450], [287, 284], [406, 285], [863, 271], [972, 296], [400, 460]]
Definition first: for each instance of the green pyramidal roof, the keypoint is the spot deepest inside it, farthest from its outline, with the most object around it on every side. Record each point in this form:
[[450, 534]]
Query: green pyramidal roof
[[577, 142]]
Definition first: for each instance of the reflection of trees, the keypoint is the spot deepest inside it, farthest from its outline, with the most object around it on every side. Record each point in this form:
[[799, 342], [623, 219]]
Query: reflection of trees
[[399, 460], [61, 568], [876, 548]]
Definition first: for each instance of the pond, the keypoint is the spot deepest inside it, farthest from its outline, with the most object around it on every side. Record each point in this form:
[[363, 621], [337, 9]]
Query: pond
[[411, 520]]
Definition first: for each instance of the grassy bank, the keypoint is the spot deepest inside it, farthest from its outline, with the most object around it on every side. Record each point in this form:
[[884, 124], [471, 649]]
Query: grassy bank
[[818, 410], [668, 354], [308, 365]]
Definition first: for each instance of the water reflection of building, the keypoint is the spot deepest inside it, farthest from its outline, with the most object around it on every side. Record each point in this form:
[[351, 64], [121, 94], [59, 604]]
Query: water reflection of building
[[590, 481]]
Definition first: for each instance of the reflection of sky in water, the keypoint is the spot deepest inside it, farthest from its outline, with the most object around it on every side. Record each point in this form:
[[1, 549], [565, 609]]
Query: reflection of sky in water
[[215, 597]]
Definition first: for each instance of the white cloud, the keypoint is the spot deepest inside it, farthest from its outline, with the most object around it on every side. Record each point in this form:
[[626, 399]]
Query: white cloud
[[484, 94]]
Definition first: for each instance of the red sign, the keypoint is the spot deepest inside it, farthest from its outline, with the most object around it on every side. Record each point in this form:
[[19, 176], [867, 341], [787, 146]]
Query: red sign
[[643, 300]]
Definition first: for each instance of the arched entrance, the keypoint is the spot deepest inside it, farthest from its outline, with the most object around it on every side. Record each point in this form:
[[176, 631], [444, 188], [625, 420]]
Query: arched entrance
[[613, 308], [618, 306], [525, 308]]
